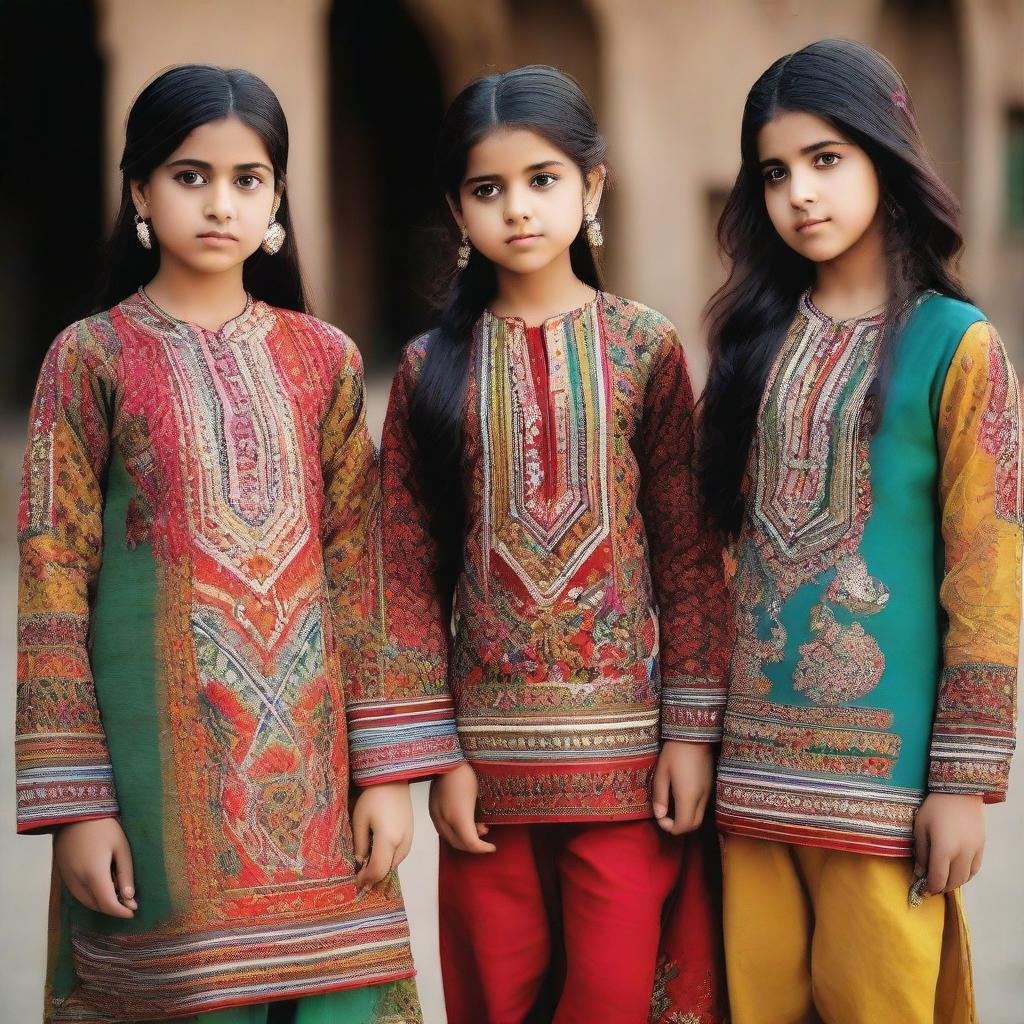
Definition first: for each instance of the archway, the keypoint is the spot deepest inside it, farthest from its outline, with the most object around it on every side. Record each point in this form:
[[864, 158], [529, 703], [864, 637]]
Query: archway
[[386, 105], [51, 201]]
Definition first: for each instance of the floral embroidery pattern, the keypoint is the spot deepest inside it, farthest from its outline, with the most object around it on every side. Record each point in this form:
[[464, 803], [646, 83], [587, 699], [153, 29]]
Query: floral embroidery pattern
[[590, 613], [199, 568]]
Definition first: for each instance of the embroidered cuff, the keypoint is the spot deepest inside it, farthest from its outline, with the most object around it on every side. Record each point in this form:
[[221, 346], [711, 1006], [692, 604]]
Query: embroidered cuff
[[52, 795], [968, 759], [389, 741], [693, 712]]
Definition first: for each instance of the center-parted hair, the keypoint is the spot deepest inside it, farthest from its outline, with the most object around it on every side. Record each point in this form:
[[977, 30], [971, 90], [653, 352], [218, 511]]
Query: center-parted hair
[[171, 107], [861, 94], [540, 99]]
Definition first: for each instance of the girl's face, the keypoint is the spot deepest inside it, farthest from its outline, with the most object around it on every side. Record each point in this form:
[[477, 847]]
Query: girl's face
[[820, 189], [210, 202], [522, 199]]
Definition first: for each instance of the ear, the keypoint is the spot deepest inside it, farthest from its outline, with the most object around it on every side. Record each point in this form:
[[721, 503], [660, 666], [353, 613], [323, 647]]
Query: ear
[[278, 196], [456, 212], [594, 188], [138, 190]]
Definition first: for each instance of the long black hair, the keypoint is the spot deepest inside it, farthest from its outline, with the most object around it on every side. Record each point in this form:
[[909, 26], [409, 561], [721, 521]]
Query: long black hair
[[540, 99], [862, 95], [166, 111]]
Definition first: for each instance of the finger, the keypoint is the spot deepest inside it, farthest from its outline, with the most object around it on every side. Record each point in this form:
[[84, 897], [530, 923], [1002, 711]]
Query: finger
[[124, 874], [660, 791], [377, 866], [976, 863], [959, 871], [401, 853], [684, 817], [938, 870], [702, 808], [80, 891], [921, 850], [447, 833], [103, 892], [482, 829], [465, 830], [685, 822], [360, 836]]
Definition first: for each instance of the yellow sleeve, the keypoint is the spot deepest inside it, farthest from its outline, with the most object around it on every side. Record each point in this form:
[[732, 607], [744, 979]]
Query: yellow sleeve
[[979, 440]]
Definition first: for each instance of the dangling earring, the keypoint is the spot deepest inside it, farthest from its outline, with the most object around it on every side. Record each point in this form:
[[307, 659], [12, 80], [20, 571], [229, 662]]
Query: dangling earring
[[274, 238], [594, 236], [462, 261], [142, 230]]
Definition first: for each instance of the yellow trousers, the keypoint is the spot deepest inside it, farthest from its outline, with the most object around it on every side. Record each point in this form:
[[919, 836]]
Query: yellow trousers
[[825, 936]]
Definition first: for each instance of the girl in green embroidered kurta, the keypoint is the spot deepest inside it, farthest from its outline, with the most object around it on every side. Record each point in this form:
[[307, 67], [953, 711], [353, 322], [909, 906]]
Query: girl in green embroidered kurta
[[199, 608], [861, 445]]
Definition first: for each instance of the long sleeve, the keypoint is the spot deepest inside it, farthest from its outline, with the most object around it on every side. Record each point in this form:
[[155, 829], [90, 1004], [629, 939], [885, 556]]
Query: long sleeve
[[63, 765], [410, 730], [979, 440], [686, 559]]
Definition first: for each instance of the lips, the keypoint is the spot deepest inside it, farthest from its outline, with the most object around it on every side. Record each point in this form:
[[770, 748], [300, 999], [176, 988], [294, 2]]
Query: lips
[[219, 234], [805, 225], [521, 238]]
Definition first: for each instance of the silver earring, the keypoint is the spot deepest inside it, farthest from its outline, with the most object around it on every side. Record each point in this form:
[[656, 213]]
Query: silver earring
[[594, 235], [142, 230], [273, 239], [464, 251]]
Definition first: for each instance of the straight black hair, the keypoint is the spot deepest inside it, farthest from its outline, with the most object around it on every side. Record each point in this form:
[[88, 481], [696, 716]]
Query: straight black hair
[[161, 118], [860, 93], [540, 99]]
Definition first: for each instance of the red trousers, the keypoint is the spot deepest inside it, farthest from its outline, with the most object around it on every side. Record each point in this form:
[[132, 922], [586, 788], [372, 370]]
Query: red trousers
[[608, 923]]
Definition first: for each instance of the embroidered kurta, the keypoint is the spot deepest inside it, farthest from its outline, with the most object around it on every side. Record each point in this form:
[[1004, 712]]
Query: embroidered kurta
[[582, 545], [877, 583], [199, 606]]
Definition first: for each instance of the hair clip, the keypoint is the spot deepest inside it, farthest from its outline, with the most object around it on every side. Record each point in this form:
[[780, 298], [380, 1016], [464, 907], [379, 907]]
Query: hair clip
[[899, 99]]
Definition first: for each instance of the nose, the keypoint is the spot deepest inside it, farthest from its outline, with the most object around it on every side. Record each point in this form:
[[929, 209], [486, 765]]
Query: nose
[[220, 205], [801, 188], [517, 205]]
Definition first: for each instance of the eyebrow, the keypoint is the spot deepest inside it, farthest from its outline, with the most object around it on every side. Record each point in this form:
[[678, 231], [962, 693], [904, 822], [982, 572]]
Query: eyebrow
[[812, 148], [497, 177], [256, 165]]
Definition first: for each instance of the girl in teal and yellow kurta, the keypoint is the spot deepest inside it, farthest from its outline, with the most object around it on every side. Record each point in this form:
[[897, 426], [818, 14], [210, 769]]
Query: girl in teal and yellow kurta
[[199, 608], [861, 443]]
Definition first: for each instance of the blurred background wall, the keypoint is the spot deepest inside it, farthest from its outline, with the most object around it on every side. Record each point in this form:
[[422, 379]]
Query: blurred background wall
[[364, 85]]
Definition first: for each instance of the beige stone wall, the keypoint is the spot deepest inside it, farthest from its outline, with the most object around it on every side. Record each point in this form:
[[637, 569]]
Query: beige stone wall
[[284, 43], [668, 77]]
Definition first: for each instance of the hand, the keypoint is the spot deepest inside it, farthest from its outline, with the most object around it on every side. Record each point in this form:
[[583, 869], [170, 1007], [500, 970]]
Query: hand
[[95, 863], [949, 840], [686, 772], [383, 813], [453, 810]]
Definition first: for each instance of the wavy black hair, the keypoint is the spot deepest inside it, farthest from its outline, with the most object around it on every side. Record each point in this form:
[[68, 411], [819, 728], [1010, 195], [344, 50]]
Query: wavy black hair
[[161, 118], [860, 93], [540, 99]]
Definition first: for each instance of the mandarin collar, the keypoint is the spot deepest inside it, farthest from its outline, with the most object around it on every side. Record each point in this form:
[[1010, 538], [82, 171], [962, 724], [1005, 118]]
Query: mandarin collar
[[518, 323], [813, 313], [143, 310]]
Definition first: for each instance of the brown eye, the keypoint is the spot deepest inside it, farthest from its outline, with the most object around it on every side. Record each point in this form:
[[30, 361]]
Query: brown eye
[[190, 178], [486, 191]]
